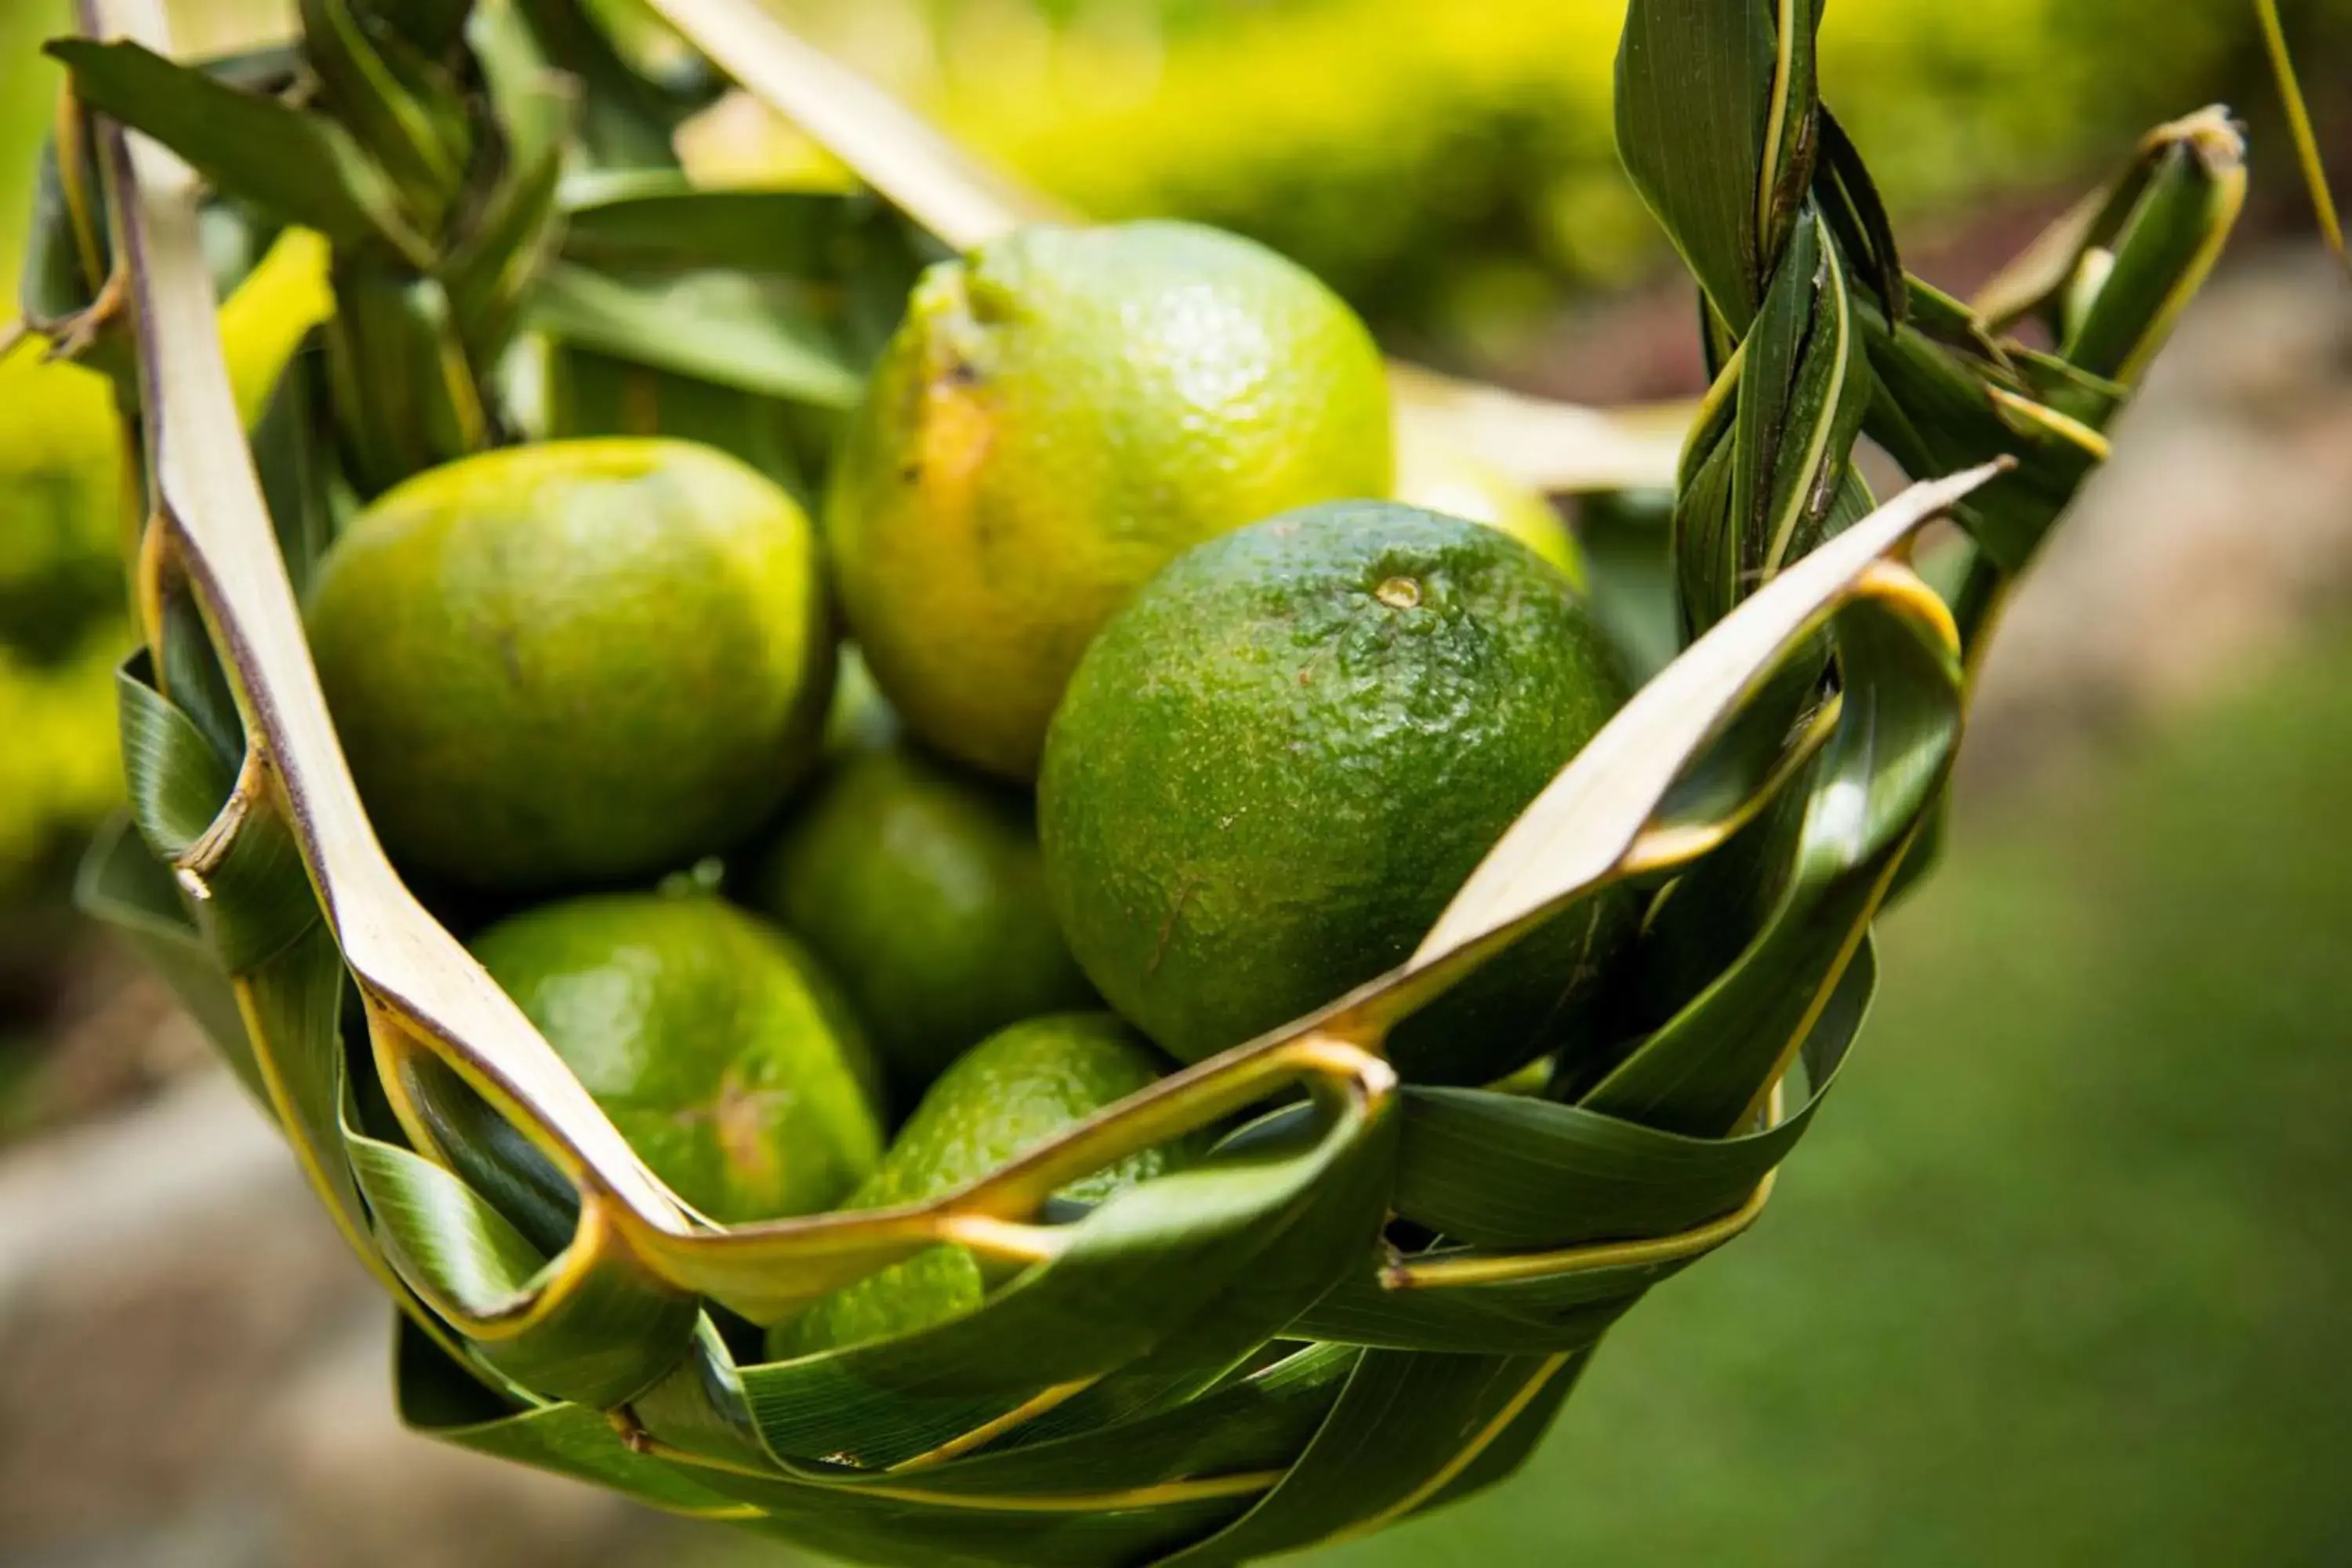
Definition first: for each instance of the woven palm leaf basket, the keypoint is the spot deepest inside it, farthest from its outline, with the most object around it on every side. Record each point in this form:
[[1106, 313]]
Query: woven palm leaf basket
[[1371, 1296]]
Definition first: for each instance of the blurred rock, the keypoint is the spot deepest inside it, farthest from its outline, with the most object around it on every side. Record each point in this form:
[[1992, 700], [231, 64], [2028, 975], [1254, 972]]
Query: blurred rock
[[158, 1274], [362, 1491], [114, 1034], [194, 1371]]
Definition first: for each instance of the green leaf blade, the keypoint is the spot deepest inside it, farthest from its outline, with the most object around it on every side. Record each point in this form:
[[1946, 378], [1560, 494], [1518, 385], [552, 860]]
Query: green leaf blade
[[1695, 82], [299, 164]]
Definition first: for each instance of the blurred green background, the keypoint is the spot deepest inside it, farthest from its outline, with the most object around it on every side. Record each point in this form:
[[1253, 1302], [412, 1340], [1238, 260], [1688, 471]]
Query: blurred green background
[[2063, 1274]]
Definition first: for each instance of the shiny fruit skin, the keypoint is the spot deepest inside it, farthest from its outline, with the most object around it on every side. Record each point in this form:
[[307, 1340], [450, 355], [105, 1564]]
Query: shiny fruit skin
[[575, 662], [1276, 767], [724, 1055], [1060, 415], [921, 887], [1011, 1093]]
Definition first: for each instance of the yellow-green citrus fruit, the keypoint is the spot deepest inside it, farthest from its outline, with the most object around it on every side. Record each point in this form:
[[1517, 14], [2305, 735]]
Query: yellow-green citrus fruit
[[574, 662], [62, 506], [711, 1040], [1061, 413], [920, 887], [1436, 475], [1002, 1097], [1274, 768]]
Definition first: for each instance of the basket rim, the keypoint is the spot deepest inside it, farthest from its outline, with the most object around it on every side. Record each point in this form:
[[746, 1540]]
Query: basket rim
[[1598, 821]]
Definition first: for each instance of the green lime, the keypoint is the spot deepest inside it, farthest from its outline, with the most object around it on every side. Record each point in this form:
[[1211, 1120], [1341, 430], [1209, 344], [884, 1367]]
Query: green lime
[[1438, 476], [1276, 767], [1061, 413], [921, 887], [709, 1038], [574, 662], [1002, 1097]]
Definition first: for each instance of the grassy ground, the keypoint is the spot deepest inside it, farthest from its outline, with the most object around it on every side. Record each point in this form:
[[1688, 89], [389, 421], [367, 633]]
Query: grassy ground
[[2062, 1275]]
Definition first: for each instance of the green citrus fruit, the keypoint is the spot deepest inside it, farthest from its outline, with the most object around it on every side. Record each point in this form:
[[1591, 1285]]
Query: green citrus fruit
[[1061, 413], [710, 1038], [1274, 768], [1006, 1095], [920, 887], [573, 662], [1438, 476]]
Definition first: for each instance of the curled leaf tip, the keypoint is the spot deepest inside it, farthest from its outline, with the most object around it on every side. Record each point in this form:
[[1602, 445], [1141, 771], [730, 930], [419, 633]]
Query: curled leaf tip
[[2215, 135]]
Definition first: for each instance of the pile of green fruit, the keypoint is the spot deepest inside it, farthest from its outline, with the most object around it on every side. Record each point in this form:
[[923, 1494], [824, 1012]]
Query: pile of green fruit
[[1108, 716], [941, 892]]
